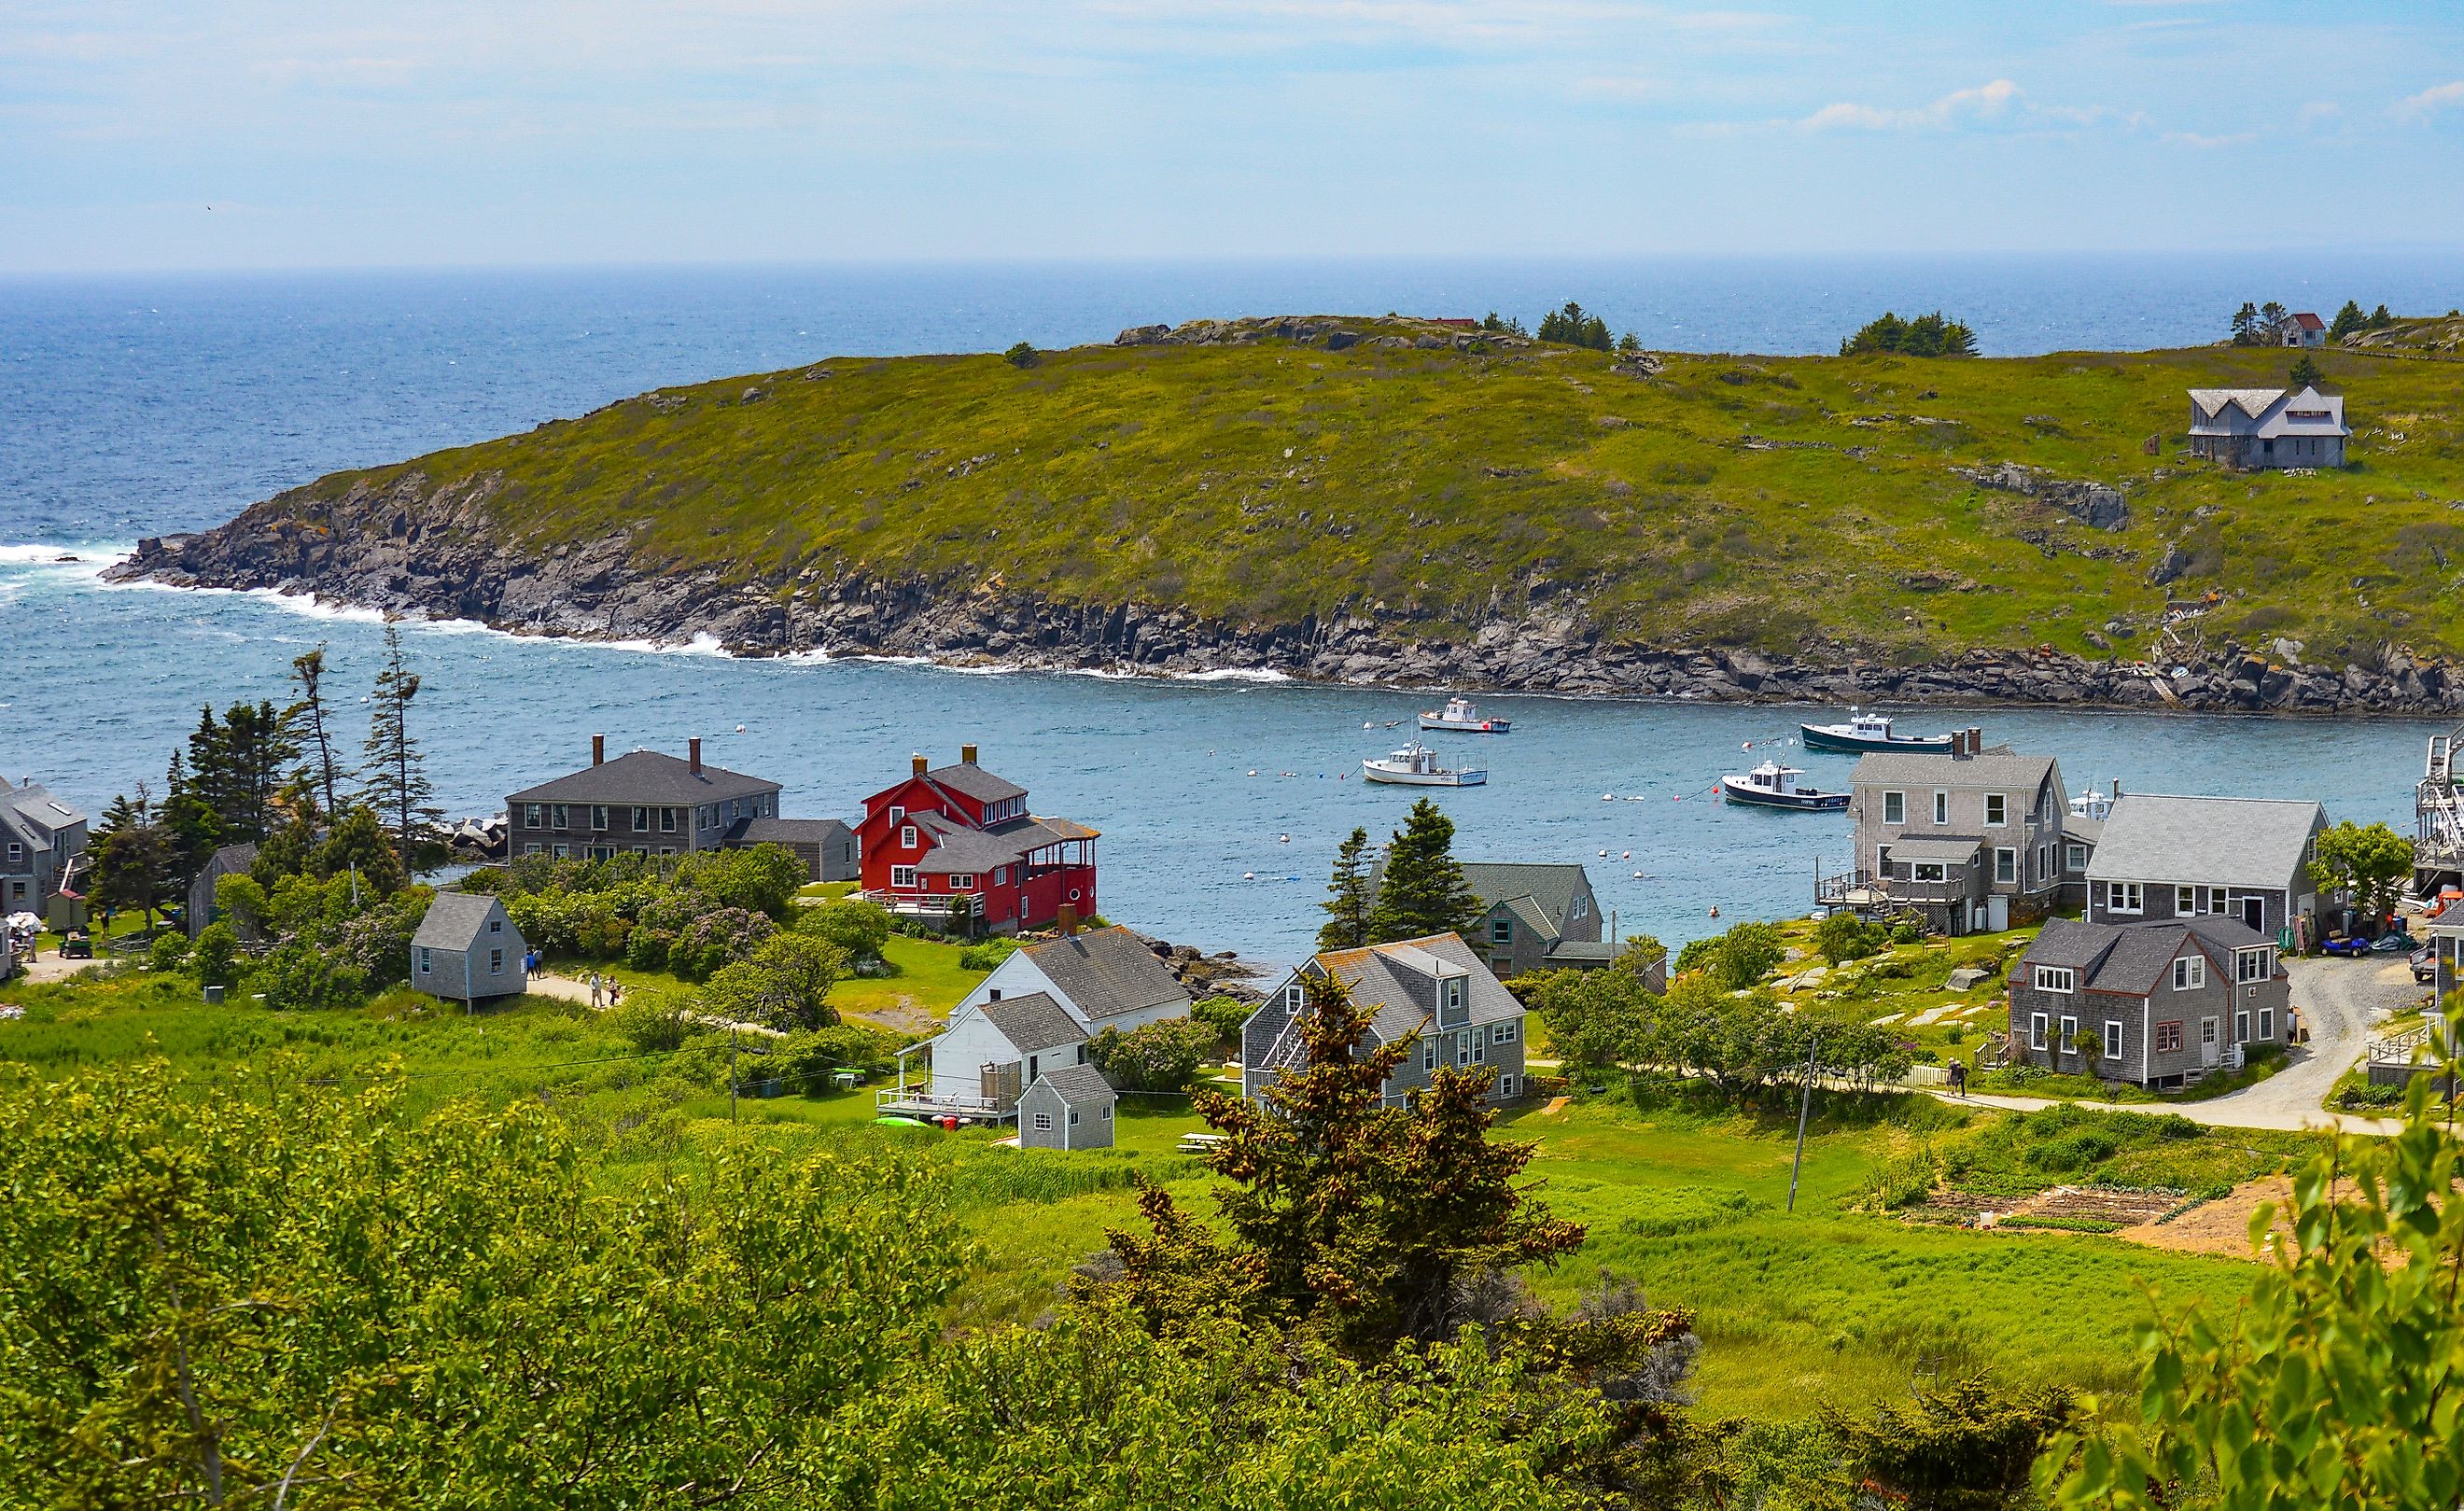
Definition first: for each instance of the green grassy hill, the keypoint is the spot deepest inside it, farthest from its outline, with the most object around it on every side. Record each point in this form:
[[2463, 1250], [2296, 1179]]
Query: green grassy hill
[[1803, 506]]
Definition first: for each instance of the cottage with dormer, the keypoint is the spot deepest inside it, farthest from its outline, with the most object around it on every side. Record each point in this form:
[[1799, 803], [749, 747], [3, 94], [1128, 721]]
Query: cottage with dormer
[[1436, 988], [956, 842], [1971, 839], [2163, 1004], [2263, 428]]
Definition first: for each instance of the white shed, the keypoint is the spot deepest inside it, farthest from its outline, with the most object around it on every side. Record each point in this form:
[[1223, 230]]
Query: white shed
[[467, 950]]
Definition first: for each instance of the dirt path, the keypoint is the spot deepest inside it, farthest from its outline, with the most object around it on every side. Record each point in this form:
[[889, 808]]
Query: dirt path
[[547, 983]]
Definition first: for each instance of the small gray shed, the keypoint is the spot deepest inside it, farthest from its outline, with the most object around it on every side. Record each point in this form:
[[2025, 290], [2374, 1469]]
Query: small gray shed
[[1070, 1107], [467, 950]]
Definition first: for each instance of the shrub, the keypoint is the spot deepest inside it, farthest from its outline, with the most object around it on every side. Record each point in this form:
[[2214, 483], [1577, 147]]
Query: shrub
[[1747, 953], [859, 928], [1905, 934], [1845, 936], [1160, 1057], [298, 976], [647, 949], [215, 960], [653, 1023], [1223, 1015], [169, 953], [2084, 1150], [987, 954], [806, 1061], [715, 939]]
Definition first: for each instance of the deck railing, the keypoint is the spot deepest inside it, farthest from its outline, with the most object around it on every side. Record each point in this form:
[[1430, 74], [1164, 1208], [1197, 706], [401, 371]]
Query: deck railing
[[1863, 889], [904, 905], [918, 1099]]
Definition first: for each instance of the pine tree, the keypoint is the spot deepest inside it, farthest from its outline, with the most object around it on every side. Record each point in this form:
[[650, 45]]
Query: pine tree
[[397, 786], [188, 820], [2347, 320], [2305, 371], [305, 721], [1422, 891], [2270, 320], [2245, 324], [1348, 900], [2379, 319]]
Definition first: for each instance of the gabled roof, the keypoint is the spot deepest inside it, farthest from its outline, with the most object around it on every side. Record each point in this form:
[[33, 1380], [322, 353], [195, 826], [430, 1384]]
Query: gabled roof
[[1996, 767], [1106, 972], [1034, 1023], [794, 831], [1551, 886], [973, 781], [2208, 842], [1957, 849], [647, 776], [2251, 402], [2132, 959], [958, 847], [1078, 1085], [2308, 412], [34, 815], [2308, 321], [1398, 979], [453, 921]]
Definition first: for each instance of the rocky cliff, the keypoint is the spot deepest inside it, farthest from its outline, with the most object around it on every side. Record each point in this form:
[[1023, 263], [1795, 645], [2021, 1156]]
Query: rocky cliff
[[412, 546]]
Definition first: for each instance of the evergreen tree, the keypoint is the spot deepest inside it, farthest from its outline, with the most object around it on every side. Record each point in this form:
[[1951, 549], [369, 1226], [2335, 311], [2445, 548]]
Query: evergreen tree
[[1347, 903], [1422, 891], [188, 820], [2379, 319], [397, 786], [237, 765], [2271, 317], [2348, 321], [2305, 371], [1575, 326], [1629, 345], [1934, 335], [2245, 324], [359, 846], [305, 721]]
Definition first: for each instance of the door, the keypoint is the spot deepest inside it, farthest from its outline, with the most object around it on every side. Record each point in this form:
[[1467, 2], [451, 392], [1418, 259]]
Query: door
[[1997, 912], [2254, 912], [2209, 1052]]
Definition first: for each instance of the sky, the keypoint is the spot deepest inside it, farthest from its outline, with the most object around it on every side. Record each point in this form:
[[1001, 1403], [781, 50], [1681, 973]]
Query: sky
[[234, 134]]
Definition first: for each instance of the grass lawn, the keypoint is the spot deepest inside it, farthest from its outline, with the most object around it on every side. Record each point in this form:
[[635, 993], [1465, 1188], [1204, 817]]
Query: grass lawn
[[929, 981]]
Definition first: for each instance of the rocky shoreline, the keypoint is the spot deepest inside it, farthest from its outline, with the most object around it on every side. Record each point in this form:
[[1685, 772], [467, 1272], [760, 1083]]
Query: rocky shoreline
[[410, 550]]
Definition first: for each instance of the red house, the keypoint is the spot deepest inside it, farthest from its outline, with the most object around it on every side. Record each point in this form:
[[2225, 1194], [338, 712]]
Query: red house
[[960, 831]]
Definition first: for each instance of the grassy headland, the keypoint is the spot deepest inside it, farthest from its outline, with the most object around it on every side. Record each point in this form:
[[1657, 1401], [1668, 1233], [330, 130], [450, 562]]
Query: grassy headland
[[1822, 508]]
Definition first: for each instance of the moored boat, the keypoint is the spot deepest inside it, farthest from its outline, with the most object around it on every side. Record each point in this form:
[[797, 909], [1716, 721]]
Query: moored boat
[[1463, 718], [1772, 785], [1416, 765], [1870, 732]]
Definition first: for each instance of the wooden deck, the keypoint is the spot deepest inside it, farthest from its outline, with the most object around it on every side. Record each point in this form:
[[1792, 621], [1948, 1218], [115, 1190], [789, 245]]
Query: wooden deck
[[916, 1102]]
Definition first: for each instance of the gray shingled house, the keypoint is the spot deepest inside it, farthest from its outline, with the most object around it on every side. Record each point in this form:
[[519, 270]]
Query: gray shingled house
[[1070, 1107], [827, 847], [2268, 427], [232, 860], [1536, 916], [467, 950], [645, 802], [1971, 840], [2163, 856], [40, 841], [1435, 986], [2166, 1001]]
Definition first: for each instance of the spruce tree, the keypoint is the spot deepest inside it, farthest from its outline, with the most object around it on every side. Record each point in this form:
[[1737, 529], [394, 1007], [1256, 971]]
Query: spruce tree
[[2347, 320], [189, 819], [2245, 324], [397, 786], [1348, 900], [305, 721], [1422, 891]]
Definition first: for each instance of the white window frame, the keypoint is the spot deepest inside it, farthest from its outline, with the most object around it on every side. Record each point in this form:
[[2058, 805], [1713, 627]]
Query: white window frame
[[1881, 860], [903, 876], [907, 836], [2113, 1052], [2267, 1024], [1501, 1032], [2241, 1027], [2038, 1025], [1929, 870], [1428, 1054], [555, 815], [1505, 1083], [2190, 972], [1942, 805], [597, 818], [534, 815], [1073, 1117], [1895, 807], [1044, 1123], [2060, 979], [2077, 855], [962, 880], [427, 960], [1997, 810], [2125, 897], [2254, 965], [1295, 996], [2186, 902], [562, 851], [2209, 1032], [641, 819], [2068, 1042], [667, 820], [2006, 858]]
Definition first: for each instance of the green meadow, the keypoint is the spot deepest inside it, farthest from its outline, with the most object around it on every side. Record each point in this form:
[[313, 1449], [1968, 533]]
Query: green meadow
[[1835, 1301], [1796, 504]]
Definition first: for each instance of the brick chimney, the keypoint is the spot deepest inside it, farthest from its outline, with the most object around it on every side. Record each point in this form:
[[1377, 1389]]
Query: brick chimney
[[599, 750], [693, 755], [1067, 920], [966, 754], [919, 763]]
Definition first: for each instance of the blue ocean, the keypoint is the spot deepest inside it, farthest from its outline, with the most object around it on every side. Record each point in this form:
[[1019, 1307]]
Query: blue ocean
[[138, 407]]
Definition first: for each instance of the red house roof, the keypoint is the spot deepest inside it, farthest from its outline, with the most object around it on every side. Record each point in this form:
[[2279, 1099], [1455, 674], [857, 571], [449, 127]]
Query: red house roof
[[2309, 321]]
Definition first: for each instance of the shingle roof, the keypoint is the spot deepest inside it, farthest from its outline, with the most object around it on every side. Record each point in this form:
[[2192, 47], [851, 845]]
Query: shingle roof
[[646, 776], [453, 920], [1396, 978], [35, 814], [1955, 848], [2253, 402], [1034, 1023], [2131, 959], [2212, 841], [1104, 973], [1588, 951], [1079, 1085], [1996, 767], [1551, 885], [976, 782], [794, 831]]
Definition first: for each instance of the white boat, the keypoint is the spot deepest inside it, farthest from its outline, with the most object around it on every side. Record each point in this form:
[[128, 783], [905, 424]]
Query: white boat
[[2092, 802], [1772, 785], [1870, 732], [1416, 765], [1460, 716]]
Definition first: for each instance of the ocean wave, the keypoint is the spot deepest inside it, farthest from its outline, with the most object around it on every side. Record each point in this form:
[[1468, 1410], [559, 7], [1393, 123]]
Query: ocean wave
[[1233, 674]]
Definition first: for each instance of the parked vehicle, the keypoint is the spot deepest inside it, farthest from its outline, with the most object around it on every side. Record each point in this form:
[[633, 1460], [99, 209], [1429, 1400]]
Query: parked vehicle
[[2425, 964], [76, 946]]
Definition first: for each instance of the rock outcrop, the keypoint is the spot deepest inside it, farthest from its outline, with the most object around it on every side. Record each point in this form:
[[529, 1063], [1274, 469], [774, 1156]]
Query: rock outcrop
[[411, 547], [2097, 505]]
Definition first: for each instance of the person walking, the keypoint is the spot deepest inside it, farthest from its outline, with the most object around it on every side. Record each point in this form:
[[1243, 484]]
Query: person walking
[[594, 989], [1959, 1077]]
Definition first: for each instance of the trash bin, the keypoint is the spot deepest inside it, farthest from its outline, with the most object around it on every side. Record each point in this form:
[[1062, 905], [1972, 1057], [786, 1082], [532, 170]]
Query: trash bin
[[213, 994]]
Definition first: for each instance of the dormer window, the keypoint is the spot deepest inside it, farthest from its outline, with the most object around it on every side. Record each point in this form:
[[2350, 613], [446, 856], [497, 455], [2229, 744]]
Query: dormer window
[[1453, 1002]]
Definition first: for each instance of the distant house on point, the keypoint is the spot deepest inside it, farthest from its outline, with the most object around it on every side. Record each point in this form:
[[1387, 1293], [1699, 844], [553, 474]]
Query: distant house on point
[[649, 803], [2263, 428], [467, 950]]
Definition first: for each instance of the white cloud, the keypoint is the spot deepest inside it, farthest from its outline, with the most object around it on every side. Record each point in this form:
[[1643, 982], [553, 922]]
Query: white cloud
[[1984, 104], [2430, 101], [2206, 142]]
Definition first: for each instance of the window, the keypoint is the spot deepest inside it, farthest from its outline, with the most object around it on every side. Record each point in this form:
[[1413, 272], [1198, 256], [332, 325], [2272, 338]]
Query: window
[[495, 925], [1501, 930], [2037, 1030], [1929, 870], [2124, 897], [641, 820], [1941, 806], [1295, 998], [1881, 860], [1450, 1000], [2079, 857], [1000, 876], [667, 820], [1044, 1123], [1429, 1055], [495, 962], [1073, 1117], [2190, 972], [2254, 965], [2068, 1043], [2267, 1022], [896, 813], [907, 838], [1502, 1032], [962, 880], [1895, 807], [2057, 978], [2169, 1039], [2006, 866], [1581, 909], [902, 876], [556, 815], [1996, 811], [532, 848], [1106, 1113], [534, 815], [2113, 1040], [1462, 1051], [599, 817], [563, 850], [2241, 1028], [427, 960], [1506, 1084]]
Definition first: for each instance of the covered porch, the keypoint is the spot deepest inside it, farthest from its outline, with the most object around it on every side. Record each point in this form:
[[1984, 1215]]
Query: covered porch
[[994, 1099]]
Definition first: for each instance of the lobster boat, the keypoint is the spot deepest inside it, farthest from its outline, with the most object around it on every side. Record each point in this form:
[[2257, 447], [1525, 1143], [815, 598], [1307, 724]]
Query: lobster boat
[[1772, 785], [1463, 718], [1870, 732], [1416, 765]]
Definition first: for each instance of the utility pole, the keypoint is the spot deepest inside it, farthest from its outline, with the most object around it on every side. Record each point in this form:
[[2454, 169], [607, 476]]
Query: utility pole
[[731, 1073], [1804, 1106]]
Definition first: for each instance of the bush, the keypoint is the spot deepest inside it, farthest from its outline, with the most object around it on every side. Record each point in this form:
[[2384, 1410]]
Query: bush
[[1224, 1016], [1747, 953], [1160, 1057], [169, 953], [653, 1024], [715, 939], [1845, 936], [987, 954], [1905, 934], [806, 1061], [215, 960], [298, 976], [859, 928]]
